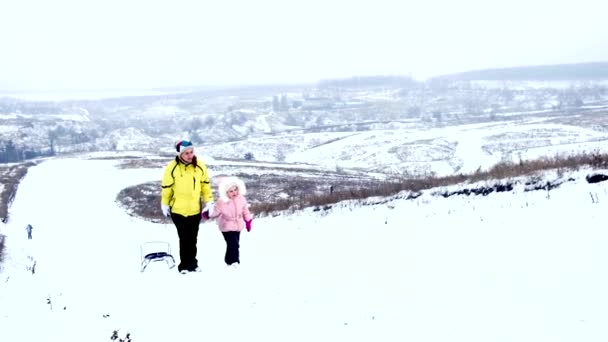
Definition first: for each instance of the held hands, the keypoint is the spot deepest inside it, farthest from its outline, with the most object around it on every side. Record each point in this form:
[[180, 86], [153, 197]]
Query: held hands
[[207, 211], [166, 210], [248, 224], [209, 208]]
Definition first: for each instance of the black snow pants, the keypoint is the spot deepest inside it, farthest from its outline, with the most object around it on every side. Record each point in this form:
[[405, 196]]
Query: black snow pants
[[187, 230], [232, 247]]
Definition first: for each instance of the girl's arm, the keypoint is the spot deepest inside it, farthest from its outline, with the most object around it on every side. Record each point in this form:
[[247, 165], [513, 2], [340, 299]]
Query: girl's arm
[[217, 210], [246, 213]]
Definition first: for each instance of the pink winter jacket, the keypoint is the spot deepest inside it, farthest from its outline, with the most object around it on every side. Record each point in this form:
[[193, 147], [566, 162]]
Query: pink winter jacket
[[231, 214]]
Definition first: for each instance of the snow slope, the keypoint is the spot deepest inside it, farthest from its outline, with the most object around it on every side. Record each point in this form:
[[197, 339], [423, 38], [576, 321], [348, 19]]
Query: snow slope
[[516, 266]]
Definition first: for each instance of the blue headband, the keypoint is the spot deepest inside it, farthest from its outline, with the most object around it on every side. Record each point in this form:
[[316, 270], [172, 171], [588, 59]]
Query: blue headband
[[182, 145]]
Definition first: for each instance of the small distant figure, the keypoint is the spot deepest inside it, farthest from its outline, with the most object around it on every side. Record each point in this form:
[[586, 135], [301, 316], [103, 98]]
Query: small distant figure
[[331, 189], [29, 229]]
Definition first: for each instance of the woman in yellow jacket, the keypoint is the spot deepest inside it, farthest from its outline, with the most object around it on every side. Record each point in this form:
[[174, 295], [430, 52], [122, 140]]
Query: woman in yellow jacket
[[185, 186]]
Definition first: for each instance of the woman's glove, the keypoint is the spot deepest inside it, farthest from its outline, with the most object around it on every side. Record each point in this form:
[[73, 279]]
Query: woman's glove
[[166, 210], [207, 211], [209, 208]]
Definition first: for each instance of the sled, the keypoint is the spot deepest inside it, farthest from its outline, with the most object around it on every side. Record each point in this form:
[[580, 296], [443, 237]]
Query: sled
[[156, 251]]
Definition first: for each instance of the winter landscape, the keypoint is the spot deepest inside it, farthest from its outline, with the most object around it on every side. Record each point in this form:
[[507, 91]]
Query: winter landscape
[[518, 265], [417, 171]]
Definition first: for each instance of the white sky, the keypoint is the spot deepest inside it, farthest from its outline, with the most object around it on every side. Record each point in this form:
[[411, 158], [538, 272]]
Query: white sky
[[517, 266], [110, 44]]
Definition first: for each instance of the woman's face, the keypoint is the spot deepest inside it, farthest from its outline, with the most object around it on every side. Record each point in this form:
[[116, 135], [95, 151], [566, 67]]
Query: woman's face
[[188, 155], [232, 192]]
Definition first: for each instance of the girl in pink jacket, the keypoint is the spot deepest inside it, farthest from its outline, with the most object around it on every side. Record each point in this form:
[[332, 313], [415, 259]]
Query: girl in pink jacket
[[232, 214]]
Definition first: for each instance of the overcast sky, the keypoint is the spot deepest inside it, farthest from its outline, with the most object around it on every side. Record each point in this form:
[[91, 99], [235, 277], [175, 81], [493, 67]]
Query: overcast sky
[[110, 44]]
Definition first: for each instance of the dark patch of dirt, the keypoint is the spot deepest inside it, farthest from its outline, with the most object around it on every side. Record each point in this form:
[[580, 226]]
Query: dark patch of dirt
[[596, 178], [10, 177], [534, 184], [143, 200]]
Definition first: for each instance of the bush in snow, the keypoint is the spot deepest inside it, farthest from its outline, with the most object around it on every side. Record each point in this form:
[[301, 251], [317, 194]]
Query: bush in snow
[[116, 337], [2, 237]]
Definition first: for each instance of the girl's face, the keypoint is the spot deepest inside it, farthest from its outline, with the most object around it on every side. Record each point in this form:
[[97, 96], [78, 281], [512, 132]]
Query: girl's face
[[232, 192]]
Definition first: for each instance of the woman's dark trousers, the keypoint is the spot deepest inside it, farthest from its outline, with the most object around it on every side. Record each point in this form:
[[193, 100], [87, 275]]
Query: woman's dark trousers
[[187, 230]]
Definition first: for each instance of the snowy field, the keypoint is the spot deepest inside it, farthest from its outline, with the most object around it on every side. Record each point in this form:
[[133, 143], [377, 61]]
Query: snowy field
[[517, 266], [440, 150]]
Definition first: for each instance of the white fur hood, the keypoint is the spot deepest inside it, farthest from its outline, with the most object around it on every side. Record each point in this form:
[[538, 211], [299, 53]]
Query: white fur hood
[[226, 183]]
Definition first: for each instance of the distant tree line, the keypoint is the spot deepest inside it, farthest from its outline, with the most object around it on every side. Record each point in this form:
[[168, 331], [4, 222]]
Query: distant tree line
[[579, 71], [9, 105], [9, 153]]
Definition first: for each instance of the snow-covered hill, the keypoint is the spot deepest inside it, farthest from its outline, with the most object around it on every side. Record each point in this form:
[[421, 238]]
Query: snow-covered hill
[[516, 265]]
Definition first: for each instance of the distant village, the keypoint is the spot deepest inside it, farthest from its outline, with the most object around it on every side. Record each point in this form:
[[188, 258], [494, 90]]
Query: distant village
[[44, 128]]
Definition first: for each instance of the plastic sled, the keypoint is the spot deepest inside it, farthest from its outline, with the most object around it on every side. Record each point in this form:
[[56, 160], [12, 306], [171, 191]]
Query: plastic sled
[[154, 251]]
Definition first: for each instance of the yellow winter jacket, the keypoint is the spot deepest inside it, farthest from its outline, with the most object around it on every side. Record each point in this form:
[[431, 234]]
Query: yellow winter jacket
[[183, 187]]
